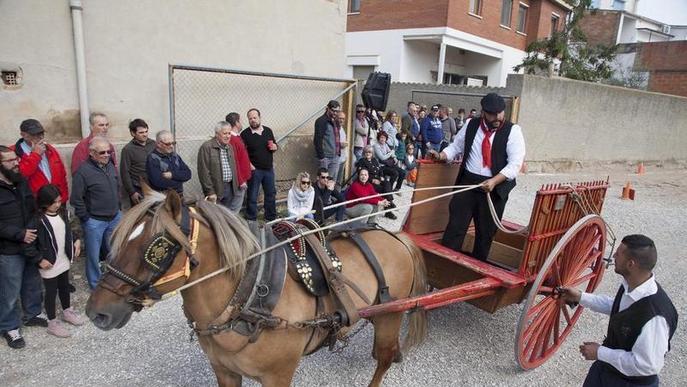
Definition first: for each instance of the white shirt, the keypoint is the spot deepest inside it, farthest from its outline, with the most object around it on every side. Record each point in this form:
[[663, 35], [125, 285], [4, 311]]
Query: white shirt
[[61, 263], [515, 148], [649, 350]]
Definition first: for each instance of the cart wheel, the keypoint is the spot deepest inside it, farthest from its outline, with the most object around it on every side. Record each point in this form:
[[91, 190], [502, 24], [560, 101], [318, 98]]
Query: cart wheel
[[575, 261]]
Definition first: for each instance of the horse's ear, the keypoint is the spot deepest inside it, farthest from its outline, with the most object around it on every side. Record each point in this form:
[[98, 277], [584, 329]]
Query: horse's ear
[[173, 205], [145, 187]]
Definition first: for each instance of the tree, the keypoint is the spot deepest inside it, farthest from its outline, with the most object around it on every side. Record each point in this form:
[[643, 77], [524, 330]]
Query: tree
[[578, 59]]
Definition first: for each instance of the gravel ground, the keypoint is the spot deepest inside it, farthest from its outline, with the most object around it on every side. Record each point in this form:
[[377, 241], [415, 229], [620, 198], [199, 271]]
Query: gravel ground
[[465, 345]]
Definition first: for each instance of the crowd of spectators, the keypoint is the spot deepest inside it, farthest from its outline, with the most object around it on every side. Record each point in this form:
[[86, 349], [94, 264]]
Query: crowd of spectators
[[38, 241]]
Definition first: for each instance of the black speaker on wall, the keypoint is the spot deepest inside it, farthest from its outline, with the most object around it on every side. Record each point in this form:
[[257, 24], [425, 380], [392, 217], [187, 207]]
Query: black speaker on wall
[[376, 91]]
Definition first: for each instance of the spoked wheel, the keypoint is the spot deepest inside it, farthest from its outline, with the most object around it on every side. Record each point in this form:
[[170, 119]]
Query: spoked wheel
[[575, 261]]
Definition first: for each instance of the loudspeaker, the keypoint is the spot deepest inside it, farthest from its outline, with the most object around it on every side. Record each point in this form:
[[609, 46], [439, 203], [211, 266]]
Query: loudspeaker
[[376, 91]]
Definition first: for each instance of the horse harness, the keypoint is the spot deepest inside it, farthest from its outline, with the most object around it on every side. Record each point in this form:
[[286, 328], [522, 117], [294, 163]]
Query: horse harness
[[159, 258], [308, 260]]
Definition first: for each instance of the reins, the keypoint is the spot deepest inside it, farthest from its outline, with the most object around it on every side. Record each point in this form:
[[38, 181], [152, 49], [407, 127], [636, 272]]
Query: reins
[[462, 188]]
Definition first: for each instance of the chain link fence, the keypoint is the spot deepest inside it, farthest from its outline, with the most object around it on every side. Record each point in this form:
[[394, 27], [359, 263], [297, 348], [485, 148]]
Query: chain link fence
[[289, 104]]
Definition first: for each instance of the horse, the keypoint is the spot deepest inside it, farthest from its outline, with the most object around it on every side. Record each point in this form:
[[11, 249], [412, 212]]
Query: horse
[[223, 240]]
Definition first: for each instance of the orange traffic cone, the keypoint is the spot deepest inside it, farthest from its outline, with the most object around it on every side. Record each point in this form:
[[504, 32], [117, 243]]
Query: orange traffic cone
[[628, 192], [640, 168]]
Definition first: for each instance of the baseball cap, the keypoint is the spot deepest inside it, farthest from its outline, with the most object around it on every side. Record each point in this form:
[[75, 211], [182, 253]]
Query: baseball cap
[[31, 126]]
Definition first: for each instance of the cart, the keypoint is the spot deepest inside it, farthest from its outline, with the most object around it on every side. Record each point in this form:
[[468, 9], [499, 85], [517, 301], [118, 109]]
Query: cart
[[563, 246]]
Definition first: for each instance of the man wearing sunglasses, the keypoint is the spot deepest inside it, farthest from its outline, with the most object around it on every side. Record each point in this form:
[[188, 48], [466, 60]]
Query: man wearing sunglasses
[[95, 198], [164, 167], [326, 195]]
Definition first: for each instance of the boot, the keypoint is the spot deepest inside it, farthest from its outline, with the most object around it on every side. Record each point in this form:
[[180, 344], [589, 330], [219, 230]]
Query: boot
[[56, 328], [70, 316]]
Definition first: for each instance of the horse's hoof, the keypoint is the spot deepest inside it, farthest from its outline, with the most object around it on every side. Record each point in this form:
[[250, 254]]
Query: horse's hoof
[[398, 357]]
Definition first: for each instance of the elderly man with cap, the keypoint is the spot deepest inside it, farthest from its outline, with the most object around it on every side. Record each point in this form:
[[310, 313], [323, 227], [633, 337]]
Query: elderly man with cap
[[493, 150], [39, 162], [431, 130], [327, 141]]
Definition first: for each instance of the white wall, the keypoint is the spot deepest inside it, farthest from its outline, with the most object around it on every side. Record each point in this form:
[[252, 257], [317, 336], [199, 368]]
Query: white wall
[[413, 60], [129, 44], [628, 33]]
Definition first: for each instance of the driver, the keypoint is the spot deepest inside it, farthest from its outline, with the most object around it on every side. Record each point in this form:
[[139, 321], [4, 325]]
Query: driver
[[493, 151]]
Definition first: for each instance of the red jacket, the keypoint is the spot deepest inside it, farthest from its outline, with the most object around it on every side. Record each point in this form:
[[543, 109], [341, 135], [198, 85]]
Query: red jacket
[[359, 190], [29, 167], [242, 160]]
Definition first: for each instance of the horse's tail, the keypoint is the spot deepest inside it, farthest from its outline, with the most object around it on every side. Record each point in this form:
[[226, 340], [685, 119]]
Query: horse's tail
[[417, 319]]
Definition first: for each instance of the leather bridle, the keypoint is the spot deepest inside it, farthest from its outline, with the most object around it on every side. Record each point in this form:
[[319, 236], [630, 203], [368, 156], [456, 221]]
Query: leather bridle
[[161, 253]]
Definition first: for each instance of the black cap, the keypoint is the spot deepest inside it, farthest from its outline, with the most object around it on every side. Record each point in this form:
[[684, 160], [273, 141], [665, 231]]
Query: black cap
[[31, 126], [493, 103], [333, 104], [436, 107]]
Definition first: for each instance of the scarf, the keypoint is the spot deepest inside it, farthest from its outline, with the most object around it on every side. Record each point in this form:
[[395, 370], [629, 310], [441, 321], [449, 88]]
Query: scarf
[[486, 144], [302, 196]]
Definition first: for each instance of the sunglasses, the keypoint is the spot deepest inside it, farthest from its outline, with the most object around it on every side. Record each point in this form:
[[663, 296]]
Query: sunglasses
[[360, 111], [105, 152], [305, 182], [326, 177]]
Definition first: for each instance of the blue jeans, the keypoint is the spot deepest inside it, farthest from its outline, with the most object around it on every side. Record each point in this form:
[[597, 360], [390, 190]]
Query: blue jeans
[[18, 279], [264, 177], [95, 233], [332, 165]]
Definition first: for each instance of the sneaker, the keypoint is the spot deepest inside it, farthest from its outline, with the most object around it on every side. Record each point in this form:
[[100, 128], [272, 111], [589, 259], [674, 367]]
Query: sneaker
[[14, 339], [36, 321], [70, 316], [56, 328], [390, 215]]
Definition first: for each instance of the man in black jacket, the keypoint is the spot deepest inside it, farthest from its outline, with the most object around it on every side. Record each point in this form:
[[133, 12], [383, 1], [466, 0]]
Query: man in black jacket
[[326, 195], [95, 198], [327, 140], [642, 322], [19, 273]]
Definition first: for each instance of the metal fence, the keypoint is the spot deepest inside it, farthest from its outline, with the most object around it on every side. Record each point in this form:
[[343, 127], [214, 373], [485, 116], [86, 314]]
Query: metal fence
[[289, 104]]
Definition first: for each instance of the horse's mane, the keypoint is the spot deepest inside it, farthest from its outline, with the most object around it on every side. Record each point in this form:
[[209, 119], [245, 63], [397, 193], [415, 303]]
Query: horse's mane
[[234, 239]]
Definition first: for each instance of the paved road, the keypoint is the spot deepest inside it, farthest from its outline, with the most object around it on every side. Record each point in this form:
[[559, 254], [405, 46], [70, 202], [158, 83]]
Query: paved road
[[465, 346]]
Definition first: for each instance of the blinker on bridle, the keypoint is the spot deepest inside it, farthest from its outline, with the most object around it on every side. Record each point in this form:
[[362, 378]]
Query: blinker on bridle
[[158, 257]]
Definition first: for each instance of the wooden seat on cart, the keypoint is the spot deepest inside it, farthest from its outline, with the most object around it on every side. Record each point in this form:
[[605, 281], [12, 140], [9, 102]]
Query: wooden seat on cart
[[553, 213]]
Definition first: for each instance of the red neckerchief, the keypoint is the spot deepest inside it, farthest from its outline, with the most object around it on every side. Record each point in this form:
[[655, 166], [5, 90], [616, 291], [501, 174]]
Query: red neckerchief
[[486, 144]]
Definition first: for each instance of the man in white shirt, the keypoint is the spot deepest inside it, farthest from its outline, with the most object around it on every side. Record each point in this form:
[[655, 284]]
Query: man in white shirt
[[642, 322], [493, 150]]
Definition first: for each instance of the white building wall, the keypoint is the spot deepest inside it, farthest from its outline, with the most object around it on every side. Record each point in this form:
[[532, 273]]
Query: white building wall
[[628, 32], [129, 44], [408, 59]]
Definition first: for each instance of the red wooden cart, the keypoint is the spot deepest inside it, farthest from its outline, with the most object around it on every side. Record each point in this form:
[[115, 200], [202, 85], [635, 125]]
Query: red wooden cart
[[563, 246]]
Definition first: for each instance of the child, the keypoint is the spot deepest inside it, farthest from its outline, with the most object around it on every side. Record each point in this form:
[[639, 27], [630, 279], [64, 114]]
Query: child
[[410, 164], [57, 249], [401, 147]]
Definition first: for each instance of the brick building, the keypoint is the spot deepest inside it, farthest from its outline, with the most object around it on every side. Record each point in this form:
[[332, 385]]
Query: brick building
[[666, 64], [474, 42]]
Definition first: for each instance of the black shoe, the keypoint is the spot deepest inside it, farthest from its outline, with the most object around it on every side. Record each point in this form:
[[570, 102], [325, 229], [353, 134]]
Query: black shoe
[[36, 321], [72, 289], [14, 339], [390, 215]]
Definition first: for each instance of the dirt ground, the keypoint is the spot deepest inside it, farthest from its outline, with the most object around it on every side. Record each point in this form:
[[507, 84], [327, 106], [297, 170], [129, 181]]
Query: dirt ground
[[465, 345]]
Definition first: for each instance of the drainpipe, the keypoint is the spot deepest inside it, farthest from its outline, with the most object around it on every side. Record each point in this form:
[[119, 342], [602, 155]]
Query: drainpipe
[[77, 29], [442, 61]]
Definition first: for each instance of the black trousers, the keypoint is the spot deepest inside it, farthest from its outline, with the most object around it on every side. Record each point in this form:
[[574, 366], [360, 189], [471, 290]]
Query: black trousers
[[472, 206], [600, 376], [56, 286]]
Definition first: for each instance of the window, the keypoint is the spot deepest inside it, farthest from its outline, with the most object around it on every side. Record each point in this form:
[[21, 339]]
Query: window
[[506, 12], [476, 7], [353, 6], [554, 23], [522, 18], [619, 5]]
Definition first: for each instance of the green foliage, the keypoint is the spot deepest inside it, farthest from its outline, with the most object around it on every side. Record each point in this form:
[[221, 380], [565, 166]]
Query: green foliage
[[578, 59]]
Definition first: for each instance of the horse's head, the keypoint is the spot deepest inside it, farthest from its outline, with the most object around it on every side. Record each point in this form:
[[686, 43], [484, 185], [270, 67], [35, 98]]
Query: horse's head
[[150, 255], [154, 250]]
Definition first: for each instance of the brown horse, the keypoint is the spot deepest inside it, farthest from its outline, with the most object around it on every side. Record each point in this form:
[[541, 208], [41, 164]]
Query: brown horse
[[224, 240]]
